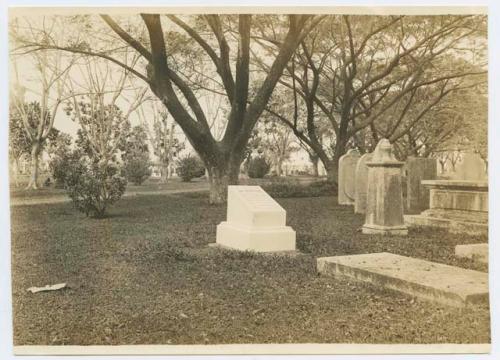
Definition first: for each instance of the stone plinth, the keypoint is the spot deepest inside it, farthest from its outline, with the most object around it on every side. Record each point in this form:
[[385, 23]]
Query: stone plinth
[[255, 222], [432, 281], [384, 206], [361, 183], [460, 206], [347, 177], [417, 195]]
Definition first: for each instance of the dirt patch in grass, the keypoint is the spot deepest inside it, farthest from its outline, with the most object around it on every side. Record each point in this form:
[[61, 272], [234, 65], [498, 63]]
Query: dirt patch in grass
[[145, 276]]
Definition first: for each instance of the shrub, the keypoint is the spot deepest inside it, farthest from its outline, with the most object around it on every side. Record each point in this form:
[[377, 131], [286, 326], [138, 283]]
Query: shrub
[[258, 167], [60, 166], [190, 167], [93, 186], [290, 188], [137, 168]]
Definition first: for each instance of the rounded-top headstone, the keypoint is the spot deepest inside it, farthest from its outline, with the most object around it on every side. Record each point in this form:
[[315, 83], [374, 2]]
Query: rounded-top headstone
[[361, 183], [347, 176], [471, 168]]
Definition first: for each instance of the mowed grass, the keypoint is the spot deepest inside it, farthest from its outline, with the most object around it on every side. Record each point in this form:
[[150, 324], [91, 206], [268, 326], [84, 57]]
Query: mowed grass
[[145, 275]]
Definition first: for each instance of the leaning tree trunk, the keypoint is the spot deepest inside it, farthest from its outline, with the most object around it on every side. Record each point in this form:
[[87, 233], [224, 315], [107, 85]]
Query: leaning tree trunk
[[35, 158]]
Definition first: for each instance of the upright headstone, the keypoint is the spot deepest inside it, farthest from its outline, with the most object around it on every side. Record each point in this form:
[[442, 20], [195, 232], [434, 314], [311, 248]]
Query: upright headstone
[[384, 206], [361, 183], [255, 222], [472, 167], [347, 177], [418, 169]]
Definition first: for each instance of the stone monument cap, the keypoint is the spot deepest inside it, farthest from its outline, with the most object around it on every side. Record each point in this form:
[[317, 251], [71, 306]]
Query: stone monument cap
[[383, 155]]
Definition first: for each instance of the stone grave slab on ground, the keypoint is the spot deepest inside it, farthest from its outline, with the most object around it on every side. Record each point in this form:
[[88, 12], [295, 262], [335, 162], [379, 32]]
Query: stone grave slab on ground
[[347, 177], [432, 281], [255, 222], [460, 206], [478, 252]]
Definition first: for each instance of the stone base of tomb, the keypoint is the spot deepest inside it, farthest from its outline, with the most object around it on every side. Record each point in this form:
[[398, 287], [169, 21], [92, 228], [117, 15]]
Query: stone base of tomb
[[477, 252], [384, 230], [456, 205], [455, 221], [265, 239]]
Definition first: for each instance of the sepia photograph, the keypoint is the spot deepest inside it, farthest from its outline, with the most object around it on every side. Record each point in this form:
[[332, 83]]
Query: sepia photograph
[[248, 180]]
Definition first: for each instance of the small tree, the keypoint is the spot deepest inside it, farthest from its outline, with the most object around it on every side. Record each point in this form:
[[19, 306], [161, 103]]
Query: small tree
[[258, 167], [19, 143], [136, 161], [96, 181], [190, 167], [59, 150], [91, 185], [164, 142]]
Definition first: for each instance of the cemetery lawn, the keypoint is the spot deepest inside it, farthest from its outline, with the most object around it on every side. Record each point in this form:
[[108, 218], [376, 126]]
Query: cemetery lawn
[[145, 275]]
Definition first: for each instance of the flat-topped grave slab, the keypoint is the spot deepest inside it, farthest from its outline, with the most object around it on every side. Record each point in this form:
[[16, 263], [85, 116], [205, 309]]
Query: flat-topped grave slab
[[432, 281], [255, 222], [478, 252]]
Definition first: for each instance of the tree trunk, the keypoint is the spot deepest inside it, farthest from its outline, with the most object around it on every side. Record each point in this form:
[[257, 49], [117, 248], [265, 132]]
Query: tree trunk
[[164, 173], [15, 172], [226, 173], [332, 172], [315, 163], [279, 167], [35, 157]]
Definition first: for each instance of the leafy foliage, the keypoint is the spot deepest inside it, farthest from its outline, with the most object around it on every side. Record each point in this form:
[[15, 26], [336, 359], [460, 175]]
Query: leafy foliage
[[59, 150], [190, 167], [93, 177], [92, 186], [135, 156], [137, 168], [288, 188], [258, 167]]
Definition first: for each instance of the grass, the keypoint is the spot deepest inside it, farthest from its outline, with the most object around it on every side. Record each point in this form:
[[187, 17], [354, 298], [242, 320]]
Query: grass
[[144, 275]]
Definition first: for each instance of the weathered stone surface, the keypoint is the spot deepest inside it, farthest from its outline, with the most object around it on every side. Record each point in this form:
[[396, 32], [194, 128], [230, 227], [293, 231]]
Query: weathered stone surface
[[255, 222], [452, 225], [436, 282], [457, 205], [477, 252], [384, 206], [418, 169], [361, 183], [347, 177], [458, 194], [472, 167]]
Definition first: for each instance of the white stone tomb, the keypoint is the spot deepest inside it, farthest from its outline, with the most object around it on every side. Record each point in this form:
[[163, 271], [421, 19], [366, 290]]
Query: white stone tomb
[[255, 222]]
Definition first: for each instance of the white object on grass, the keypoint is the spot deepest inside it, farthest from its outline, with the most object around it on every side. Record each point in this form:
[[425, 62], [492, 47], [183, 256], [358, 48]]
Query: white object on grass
[[47, 288]]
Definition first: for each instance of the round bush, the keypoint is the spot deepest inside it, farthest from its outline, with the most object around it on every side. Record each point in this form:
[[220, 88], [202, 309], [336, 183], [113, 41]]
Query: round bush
[[137, 168], [258, 167], [190, 167]]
